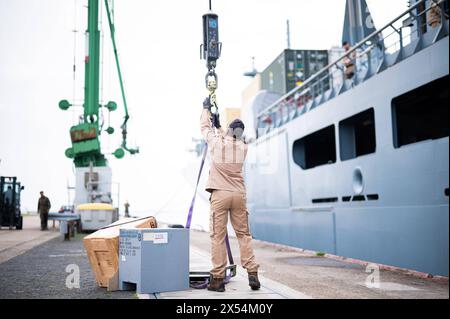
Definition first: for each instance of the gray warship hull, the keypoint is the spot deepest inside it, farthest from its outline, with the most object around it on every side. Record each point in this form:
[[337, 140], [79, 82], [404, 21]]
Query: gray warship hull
[[388, 204]]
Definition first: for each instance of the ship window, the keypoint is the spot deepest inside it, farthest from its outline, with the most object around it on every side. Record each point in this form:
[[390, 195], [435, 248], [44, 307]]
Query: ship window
[[324, 200], [421, 114], [357, 135], [316, 149]]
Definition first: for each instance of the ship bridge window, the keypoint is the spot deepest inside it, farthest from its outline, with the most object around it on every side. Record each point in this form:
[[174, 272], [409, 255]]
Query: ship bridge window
[[315, 149], [357, 135], [421, 114]]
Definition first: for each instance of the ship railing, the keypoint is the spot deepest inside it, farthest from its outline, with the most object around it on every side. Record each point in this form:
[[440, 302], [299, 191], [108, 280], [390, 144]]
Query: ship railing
[[402, 37]]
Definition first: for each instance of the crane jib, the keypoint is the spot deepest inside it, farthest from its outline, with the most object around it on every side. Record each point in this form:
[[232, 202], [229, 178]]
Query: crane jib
[[85, 136]]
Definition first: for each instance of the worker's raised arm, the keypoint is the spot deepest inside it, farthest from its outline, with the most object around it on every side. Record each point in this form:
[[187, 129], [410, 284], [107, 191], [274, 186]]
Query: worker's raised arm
[[205, 126]]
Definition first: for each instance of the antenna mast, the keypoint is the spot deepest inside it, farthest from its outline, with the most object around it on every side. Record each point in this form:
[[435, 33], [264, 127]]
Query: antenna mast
[[288, 34]]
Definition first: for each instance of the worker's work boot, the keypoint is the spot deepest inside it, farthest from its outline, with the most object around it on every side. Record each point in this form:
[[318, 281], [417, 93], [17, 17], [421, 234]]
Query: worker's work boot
[[253, 280], [216, 284]]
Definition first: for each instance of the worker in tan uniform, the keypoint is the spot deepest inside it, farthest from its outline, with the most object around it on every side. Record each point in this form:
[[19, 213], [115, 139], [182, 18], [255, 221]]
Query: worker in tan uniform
[[434, 14], [228, 195], [349, 61]]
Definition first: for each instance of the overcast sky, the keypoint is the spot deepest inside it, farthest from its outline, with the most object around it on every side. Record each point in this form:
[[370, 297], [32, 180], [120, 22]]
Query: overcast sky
[[158, 43]]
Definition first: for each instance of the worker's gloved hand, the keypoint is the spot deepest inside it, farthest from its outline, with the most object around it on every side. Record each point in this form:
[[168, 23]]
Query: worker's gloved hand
[[207, 104], [216, 120]]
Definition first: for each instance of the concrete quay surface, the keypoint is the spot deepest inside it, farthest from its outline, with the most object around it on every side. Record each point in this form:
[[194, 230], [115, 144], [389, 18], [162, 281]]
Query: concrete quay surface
[[36, 264]]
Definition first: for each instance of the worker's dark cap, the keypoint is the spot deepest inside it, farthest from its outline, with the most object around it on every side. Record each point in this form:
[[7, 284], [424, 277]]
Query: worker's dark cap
[[237, 123], [41, 192], [238, 128]]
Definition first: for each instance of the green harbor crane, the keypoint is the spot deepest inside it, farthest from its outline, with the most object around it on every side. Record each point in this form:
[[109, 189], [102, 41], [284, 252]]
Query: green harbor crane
[[85, 136]]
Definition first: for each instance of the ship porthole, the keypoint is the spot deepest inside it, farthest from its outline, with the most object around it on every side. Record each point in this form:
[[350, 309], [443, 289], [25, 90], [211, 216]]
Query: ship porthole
[[358, 181]]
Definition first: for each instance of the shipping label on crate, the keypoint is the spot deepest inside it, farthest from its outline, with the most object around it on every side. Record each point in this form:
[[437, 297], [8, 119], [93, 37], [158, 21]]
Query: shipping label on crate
[[157, 238]]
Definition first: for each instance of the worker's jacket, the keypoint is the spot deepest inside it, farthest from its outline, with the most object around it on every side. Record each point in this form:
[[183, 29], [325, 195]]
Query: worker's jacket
[[434, 15], [43, 205], [227, 158]]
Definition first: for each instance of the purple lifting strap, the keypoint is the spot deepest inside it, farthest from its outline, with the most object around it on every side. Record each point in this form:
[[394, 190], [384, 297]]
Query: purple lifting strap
[[191, 208]]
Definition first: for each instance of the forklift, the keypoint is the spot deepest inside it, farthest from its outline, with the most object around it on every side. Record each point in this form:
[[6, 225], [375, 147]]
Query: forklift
[[10, 215]]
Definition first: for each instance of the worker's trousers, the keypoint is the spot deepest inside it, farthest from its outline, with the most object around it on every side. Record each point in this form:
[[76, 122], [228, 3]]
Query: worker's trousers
[[44, 219], [223, 202]]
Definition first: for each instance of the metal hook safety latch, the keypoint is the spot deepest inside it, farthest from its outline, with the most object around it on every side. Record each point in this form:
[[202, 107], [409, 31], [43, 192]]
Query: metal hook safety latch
[[211, 80]]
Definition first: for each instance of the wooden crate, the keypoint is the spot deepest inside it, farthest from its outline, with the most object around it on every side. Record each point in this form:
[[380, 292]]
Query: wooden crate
[[102, 248]]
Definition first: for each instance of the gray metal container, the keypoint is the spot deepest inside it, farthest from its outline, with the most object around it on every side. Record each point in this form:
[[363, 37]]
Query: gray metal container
[[154, 259], [273, 78], [291, 68]]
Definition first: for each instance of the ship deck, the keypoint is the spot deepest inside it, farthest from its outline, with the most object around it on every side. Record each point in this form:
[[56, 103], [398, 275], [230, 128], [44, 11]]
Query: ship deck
[[33, 265]]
